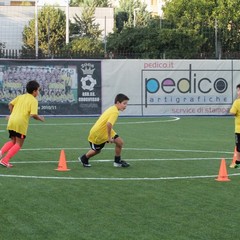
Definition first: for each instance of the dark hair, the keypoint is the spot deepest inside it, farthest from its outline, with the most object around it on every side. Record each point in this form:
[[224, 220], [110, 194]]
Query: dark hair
[[120, 98], [32, 86], [238, 86]]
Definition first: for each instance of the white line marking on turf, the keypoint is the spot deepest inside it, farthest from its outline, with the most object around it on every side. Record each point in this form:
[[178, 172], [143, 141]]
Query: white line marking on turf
[[172, 119], [115, 179], [130, 149], [129, 160]]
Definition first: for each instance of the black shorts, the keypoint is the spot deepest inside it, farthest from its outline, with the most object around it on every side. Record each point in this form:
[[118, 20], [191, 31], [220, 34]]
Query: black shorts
[[16, 134], [98, 147]]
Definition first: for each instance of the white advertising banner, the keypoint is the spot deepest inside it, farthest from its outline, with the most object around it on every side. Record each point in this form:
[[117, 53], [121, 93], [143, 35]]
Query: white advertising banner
[[172, 87], [158, 87]]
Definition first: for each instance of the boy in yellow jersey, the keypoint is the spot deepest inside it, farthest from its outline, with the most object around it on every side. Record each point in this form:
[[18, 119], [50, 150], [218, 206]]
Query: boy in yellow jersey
[[235, 110], [102, 132], [21, 109]]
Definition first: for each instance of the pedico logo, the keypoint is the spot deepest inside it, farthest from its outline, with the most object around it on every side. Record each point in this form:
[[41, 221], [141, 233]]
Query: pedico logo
[[184, 85], [200, 87]]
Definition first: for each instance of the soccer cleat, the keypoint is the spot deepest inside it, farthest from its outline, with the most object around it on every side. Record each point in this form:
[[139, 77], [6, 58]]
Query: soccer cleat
[[232, 165], [84, 163], [236, 166], [121, 163], [7, 165]]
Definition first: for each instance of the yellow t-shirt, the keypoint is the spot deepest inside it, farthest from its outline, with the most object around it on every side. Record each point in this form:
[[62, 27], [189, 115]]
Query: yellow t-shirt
[[98, 133], [24, 106], [235, 109]]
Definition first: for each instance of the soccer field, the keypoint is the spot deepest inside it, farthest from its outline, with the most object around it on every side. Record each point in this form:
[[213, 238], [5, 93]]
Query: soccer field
[[168, 193]]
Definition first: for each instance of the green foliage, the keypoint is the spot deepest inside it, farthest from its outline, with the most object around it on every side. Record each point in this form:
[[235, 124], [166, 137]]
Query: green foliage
[[131, 12], [91, 46], [84, 26], [153, 42], [84, 3], [85, 33], [187, 29], [121, 17], [206, 16], [146, 37], [228, 21], [192, 14], [51, 31]]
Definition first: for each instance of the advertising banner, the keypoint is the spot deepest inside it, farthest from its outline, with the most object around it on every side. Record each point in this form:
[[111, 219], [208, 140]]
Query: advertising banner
[[155, 87], [188, 87], [173, 87], [66, 87]]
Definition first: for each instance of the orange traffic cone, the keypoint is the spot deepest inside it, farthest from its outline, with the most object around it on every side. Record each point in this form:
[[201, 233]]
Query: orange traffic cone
[[62, 165], [222, 175], [232, 165]]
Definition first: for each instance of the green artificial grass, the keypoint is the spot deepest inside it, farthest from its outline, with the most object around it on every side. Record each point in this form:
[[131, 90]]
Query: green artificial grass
[[169, 192]]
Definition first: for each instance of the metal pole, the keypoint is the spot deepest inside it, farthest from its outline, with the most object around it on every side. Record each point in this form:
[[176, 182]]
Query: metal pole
[[160, 13], [216, 39], [105, 37], [134, 17], [36, 29], [67, 23], [48, 33]]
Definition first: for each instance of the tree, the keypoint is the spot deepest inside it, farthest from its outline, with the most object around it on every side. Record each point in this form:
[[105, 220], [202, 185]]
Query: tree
[[153, 42], [85, 25], [227, 17], [194, 15], [87, 3], [87, 46], [51, 31], [85, 33], [130, 13], [217, 20]]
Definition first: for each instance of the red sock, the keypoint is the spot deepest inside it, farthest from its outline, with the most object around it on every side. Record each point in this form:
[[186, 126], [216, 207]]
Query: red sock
[[12, 151], [6, 147]]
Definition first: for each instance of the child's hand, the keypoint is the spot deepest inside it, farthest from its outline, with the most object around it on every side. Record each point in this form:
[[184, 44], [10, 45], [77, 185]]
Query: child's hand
[[111, 140], [42, 119], [7, 117]]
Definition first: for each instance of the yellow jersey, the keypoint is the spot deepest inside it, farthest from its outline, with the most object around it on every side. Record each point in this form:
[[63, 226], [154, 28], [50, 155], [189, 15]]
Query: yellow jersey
[[235, 109], [98, 133], [24, 106]]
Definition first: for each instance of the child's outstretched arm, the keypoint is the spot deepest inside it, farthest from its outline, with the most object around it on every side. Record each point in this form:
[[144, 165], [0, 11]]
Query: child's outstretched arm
[[10, 106], [109, 129], [37, 117]]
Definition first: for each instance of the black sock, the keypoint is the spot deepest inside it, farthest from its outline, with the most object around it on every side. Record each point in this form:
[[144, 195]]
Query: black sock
[[84, 157], [237, 162], [117, 158]]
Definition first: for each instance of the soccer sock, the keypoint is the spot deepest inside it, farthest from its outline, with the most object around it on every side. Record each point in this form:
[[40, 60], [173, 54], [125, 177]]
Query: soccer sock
[[12, 151], [6, 147], [84, 157], [117, 158]]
